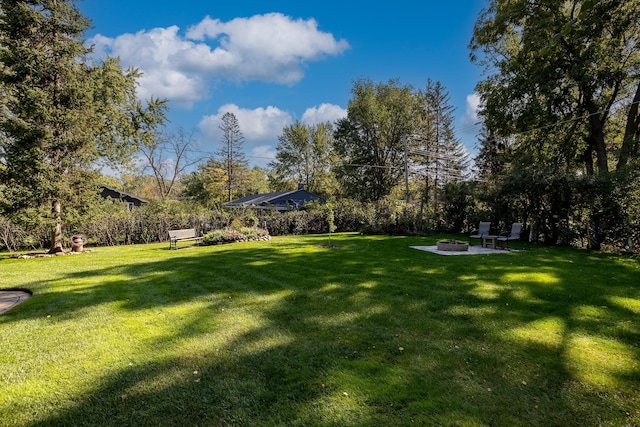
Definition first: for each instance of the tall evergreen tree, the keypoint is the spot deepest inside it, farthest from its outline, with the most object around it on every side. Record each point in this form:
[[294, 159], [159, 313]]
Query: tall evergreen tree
[[493, 158], [437, 153], [231, 154], [61, 114]]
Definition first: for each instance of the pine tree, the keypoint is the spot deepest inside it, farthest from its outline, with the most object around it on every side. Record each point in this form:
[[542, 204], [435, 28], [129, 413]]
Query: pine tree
[[438, 154], [231, 154], [60, 113]]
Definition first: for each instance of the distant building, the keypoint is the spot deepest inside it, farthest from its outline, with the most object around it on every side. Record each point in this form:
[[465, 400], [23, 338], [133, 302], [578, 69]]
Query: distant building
[[279, 201], [131, 200]]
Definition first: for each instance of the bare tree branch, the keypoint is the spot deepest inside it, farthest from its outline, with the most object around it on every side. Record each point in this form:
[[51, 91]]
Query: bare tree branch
[[169, 156]]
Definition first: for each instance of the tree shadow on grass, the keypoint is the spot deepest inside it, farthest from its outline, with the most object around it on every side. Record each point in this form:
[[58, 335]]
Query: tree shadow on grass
[[373, 333]]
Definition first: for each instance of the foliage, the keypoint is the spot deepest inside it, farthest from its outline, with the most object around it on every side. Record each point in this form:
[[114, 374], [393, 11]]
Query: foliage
[[391, 217], [110, 223], [206, 184], [305, 156], [62, 114], [557, 73], [609, 207], [370, 140], [629, 195], [294, 222], [254, 181], [235, 234], [351, 215], [560, 208], [250, 220], [459, 205], [495, 155], [390, 131]]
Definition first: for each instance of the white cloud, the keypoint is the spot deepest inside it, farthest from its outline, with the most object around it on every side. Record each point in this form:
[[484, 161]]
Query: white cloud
[[262, 155], [323, 113], [261, 127], [471, 117], [257, 126], [271, 48], [162, 56]]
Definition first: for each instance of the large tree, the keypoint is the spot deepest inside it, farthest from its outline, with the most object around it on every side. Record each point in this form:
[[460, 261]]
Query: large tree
[[305, 155], [437, 154], [168, 156], [230, 153], [61, 113], [558, 71], [370, 141], [207, 184]]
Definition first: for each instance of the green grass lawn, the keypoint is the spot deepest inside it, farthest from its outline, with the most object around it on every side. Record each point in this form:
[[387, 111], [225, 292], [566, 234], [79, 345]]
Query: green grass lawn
[[288, 332]]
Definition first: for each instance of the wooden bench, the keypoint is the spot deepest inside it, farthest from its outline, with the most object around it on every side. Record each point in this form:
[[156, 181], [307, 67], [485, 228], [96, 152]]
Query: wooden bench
[[183, 235]]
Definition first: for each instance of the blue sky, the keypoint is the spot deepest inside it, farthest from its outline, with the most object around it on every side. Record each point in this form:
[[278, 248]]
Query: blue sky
[[274, 62]]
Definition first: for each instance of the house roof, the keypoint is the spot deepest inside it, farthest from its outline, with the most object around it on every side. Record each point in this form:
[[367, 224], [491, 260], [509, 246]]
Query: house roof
[[281, 200], [117, 194]]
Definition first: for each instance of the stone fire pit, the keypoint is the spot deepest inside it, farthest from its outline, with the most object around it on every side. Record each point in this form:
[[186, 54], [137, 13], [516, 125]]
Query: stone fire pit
[[452, 245]]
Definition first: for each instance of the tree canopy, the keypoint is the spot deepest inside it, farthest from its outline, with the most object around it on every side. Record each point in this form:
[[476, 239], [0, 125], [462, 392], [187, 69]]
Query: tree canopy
[[558, 73], [61, 114], [305, 155], [370, 140], [560, 112], [392, 131]]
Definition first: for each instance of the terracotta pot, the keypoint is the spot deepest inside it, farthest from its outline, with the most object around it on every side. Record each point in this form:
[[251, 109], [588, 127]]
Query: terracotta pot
[[77, 243]]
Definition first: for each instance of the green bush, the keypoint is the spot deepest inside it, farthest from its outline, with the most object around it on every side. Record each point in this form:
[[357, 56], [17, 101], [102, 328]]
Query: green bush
[[351, 215], [234, 234], [294, 222]]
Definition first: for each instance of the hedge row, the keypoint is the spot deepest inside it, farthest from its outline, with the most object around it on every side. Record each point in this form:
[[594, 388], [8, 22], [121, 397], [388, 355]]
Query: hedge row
[[109, 223]]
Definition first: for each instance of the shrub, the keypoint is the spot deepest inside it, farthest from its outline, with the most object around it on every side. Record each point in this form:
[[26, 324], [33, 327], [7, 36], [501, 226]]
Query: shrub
[[232, 234], [294, 222], [351, 215], [10, 235], [250, 220]]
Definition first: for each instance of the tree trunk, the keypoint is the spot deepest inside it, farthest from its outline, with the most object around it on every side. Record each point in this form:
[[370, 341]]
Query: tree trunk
[[631, 139], [56, 234], [597, 138], [588, 157]]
